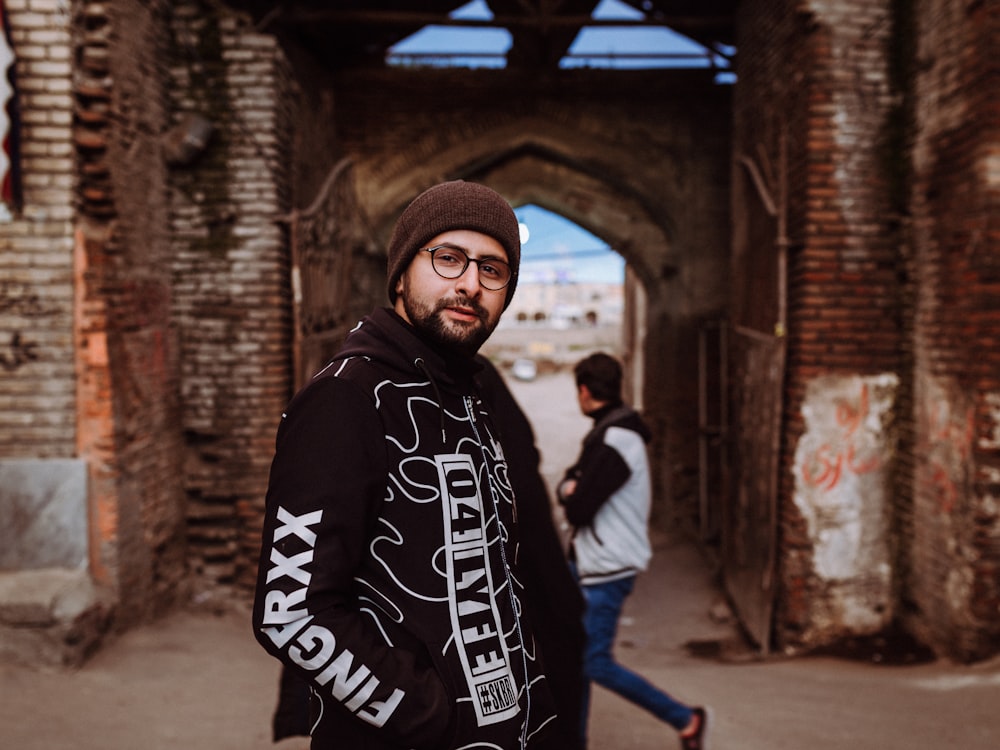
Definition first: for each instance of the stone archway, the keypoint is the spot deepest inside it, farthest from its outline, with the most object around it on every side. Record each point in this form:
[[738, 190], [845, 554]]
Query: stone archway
[[532, 169], [638, 159]]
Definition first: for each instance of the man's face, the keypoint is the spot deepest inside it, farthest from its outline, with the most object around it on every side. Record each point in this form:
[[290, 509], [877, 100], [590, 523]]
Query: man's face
[[586, 400], [455, 313]]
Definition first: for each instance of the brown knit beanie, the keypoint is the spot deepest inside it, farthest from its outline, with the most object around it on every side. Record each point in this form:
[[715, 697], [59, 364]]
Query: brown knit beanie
[[453, 205]]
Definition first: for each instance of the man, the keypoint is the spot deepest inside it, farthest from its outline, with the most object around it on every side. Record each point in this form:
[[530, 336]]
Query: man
[[551, 593], [606, 495], [388, 574]]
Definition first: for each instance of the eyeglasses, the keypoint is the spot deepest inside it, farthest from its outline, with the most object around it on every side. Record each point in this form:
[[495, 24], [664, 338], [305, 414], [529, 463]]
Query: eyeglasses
[[450, 262]]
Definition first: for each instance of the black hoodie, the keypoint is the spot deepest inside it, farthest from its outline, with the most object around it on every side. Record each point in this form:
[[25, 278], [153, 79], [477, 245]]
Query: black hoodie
[[388, 573]]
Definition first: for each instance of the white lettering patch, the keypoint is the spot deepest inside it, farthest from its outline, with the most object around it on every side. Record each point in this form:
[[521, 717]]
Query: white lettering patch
[[476, 623], [313, 647]]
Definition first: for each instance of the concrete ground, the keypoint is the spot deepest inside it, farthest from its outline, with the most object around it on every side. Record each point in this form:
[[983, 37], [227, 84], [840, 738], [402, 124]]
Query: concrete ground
[[197, 680]]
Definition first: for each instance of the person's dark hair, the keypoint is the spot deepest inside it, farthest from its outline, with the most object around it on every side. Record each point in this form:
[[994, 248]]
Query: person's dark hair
[[602, 374]]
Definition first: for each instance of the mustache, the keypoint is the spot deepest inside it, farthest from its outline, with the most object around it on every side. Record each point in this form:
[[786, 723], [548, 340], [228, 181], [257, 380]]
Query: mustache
[[471, 304]]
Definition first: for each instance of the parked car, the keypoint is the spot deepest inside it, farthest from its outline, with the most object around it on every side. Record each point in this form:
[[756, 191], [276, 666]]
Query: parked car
[[524, 369]]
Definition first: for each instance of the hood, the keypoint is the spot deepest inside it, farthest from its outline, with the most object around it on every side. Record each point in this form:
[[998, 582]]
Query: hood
[[622, 416], [386, 338]]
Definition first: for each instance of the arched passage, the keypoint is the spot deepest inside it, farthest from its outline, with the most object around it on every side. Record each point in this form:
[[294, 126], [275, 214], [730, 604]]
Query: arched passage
[[653, 186], [570, 300], [527, 171]]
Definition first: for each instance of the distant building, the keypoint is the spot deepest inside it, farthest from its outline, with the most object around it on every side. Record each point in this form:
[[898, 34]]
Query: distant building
[[565, 304]]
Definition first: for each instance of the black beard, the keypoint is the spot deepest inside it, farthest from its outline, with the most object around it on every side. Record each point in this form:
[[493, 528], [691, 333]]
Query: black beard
[[430, 324]]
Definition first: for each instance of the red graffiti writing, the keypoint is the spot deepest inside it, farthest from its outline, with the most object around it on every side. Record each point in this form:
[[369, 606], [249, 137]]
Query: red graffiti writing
[[825, 466], [950, 449]]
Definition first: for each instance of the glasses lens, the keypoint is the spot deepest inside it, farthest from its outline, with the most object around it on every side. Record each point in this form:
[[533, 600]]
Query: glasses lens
[[451, 262], [493, 274]]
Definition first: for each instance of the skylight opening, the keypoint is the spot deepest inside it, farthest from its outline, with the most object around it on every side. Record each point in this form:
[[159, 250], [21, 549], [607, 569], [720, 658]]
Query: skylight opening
[[620, 48], [638, 48], [437, 46]]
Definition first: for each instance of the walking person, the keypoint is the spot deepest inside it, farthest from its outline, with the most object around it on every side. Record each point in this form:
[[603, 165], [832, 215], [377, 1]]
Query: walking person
[[607, 498], [389, 574]]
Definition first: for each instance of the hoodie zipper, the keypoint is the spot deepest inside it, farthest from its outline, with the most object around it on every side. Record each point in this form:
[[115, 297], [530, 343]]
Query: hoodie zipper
[[471, 413], [422, 366]]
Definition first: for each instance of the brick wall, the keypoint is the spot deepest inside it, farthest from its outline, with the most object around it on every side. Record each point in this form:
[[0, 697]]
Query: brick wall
[[88, 357], [888, 468], [770, 131], [126, 356], [844, 321], [231, 287], [826, 64], [38, 386], [953, 584]]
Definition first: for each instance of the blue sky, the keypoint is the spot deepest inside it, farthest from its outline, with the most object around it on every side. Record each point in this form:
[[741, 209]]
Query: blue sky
[[559, 250]]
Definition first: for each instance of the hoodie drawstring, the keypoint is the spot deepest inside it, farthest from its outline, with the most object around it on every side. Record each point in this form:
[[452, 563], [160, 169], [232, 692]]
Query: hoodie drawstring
[[422, 366]]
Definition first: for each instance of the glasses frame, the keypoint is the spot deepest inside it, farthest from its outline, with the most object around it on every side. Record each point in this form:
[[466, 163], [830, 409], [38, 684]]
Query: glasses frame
[[468, 260]]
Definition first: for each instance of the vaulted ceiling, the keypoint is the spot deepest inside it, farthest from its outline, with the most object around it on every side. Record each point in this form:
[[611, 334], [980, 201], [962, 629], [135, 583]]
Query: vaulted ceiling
[[349, 33]]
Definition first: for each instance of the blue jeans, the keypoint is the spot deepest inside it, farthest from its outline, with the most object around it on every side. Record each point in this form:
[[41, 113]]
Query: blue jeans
[[604, 607]]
